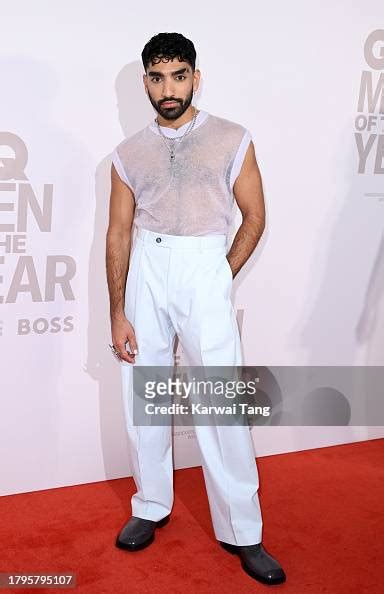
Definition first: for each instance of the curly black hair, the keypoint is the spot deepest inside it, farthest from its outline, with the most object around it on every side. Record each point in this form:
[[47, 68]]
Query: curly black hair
[[168, 46]]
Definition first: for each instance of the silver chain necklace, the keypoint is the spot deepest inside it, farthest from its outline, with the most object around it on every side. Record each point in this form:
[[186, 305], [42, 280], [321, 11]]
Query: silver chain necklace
[[170, 143]]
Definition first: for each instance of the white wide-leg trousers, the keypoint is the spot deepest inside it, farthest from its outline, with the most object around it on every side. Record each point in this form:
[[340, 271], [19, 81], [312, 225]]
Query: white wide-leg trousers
[[182, 285]]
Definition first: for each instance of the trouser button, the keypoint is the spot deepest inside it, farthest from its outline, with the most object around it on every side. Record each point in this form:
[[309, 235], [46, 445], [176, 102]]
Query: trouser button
[[158, 239]]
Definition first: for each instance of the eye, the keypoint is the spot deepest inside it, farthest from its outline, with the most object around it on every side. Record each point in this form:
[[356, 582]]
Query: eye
[[182, 76], [153, 78]]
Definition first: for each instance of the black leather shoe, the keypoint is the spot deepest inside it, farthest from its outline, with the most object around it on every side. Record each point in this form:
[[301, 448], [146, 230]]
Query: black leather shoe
[[138, 533], [258, 563]]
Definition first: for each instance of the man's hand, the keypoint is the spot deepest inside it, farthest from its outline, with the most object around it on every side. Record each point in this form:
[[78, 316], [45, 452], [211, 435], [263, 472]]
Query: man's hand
[[123, 332]]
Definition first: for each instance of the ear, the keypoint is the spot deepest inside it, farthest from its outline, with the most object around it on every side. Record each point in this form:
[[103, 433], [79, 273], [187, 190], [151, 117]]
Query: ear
[[196, 80], [145, 82]]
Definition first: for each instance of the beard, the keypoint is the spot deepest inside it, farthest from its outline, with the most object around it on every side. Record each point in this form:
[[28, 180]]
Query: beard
[[172, 113]]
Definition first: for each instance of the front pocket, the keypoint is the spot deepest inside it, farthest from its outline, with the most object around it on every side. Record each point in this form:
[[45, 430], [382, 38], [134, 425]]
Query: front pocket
[[229, 269]]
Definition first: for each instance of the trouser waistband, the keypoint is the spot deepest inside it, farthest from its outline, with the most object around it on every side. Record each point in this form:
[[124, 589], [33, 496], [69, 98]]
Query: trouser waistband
[[181, 241]]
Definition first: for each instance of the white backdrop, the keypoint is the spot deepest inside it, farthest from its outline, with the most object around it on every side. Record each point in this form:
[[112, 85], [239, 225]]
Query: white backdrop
[[312, 292]]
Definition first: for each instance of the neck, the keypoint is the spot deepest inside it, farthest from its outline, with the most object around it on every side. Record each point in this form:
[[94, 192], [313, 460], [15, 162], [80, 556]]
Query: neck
[[183, 119]]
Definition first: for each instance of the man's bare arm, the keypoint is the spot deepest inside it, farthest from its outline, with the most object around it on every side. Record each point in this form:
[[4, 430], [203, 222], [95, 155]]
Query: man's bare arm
[[248, 192], [118, 246]]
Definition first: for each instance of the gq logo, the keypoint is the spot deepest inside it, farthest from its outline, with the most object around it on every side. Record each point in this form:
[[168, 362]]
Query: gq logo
[[370, 122], [37, 278]]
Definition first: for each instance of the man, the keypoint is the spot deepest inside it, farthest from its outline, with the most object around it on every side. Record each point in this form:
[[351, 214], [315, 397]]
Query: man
[[175, 181]]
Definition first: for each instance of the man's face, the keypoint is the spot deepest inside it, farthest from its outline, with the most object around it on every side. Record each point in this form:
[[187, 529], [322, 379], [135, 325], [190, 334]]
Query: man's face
[[170, 87]]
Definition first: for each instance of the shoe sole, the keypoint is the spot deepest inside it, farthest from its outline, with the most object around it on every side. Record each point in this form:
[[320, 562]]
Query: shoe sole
[[143, 545], [234, 551]]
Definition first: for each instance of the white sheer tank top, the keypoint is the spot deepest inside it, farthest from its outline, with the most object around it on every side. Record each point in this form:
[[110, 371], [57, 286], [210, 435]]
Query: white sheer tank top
[[193, 195]]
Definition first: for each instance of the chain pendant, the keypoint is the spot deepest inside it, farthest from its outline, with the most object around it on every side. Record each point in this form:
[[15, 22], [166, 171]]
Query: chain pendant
[[172, 151], [172, 144]]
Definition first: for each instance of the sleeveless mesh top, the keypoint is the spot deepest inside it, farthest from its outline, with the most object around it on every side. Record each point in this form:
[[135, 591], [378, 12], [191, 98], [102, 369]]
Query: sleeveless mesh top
[[194, 194]]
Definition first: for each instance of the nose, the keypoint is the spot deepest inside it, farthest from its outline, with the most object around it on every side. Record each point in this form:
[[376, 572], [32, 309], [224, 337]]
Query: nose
[[168, 89]]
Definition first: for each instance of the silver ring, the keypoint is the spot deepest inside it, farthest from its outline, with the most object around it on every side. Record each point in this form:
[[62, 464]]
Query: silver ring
[[114, 350]]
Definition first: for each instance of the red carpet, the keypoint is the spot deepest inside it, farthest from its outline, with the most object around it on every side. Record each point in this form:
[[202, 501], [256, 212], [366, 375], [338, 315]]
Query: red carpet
[[323, 520]]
